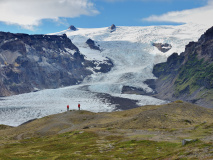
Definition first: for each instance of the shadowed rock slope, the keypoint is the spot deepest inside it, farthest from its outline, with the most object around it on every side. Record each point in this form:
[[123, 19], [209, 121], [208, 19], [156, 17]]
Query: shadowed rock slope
[[33, 62], [188, 76]]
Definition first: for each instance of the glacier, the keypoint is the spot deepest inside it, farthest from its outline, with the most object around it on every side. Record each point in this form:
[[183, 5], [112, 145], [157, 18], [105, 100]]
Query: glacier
[[133, 56]]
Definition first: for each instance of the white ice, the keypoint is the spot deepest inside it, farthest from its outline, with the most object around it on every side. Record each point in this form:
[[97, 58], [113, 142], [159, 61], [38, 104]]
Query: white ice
[[133, 56]]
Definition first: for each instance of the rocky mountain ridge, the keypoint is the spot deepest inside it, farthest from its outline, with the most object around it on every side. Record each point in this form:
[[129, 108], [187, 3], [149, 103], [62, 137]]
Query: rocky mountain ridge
[[188, 76], [72, 28], [34, 62]]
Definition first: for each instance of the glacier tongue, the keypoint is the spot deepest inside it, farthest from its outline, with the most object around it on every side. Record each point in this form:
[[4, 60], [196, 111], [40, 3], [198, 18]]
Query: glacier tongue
[[132, 52], [133, 55]]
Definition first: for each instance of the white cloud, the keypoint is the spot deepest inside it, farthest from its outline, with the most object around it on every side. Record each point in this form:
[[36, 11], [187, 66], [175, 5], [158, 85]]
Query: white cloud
[[29, 13], [200, 15]]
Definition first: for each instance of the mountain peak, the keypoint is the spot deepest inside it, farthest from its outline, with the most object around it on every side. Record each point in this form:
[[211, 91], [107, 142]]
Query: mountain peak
[[113, 28], [72, 28]]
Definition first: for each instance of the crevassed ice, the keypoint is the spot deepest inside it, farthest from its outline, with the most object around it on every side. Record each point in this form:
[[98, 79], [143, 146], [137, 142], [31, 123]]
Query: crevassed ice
[[130, 49]]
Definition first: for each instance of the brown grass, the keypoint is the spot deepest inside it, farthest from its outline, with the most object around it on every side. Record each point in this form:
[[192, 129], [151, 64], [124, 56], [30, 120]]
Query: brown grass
[[169, 117], [129, 134]]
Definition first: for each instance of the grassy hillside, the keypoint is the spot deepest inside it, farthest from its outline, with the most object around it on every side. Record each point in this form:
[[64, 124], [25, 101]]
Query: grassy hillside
[[192, 81], [148, 132]]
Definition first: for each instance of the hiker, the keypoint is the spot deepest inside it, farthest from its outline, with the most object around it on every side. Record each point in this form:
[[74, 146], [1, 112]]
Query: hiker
[[79, 107], [68, 107]]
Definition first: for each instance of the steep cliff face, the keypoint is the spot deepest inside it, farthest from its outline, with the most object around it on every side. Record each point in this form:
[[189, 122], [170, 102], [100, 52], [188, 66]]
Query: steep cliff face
[[188, 76], [33, 62]]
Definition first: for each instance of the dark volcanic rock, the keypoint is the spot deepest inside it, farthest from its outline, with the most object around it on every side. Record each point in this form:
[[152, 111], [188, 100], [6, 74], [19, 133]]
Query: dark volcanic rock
[[34, 62], [72, 28], [208, 35], [104, 67], [112, 28], [188, 76], [163, 47], [92, 45]]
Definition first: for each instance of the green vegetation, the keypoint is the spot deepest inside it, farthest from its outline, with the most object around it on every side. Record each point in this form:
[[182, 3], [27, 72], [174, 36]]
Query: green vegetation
[[148, 132], [201, 130], [2, 127], [206, 94], [88, 145], [194, 75], [186, 77], [178, 101], [165, 70]]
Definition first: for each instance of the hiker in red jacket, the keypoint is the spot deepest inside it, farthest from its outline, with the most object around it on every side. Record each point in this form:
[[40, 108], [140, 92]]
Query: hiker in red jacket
[[79, 107], [68, 107]]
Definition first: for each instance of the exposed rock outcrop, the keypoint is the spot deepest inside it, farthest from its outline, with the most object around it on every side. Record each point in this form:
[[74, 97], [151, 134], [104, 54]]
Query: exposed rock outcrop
[[163, 47], [34, 62], [92, 44], [188, 76], [112, 28], [72, 28]]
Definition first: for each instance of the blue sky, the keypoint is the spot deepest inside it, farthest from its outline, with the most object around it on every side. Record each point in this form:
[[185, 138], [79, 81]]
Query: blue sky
[[48, 16]]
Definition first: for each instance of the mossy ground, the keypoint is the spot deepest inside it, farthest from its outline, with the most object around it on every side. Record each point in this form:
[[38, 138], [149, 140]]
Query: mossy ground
[[148, 132], [2, 127], [88, 145]]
